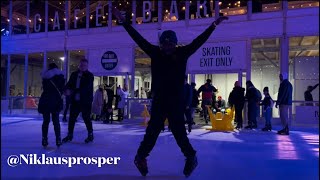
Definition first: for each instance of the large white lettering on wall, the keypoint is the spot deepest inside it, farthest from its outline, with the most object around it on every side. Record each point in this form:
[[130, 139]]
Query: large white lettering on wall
[[56, 22], [175, 8], [36, 18], [218, 57], [113, 61], [146, 13], [99, 7]]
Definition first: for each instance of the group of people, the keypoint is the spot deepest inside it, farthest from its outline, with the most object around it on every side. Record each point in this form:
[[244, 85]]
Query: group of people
[[102, 105], [238, 97], [79, 88], [79, 97]]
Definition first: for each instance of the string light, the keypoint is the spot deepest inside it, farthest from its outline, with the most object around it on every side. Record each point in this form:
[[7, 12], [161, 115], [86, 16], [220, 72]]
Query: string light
[[183, 8]]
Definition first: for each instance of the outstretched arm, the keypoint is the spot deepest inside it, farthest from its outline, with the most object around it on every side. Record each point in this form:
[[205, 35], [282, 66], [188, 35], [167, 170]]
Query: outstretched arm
[[314, 87], [135, 35], [202, 38]]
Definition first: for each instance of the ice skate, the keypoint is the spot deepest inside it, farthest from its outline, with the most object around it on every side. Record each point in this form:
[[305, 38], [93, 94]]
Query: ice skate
[[141, 164]]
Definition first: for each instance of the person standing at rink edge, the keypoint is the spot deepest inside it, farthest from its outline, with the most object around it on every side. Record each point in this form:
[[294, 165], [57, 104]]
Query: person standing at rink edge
[[80, 87], [168, 67], [51, 102]]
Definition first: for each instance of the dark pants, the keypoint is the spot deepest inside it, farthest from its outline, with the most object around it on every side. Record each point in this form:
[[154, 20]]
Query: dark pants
[[238, 114], [55, 121], [252, 113], [67, 107], [205, 102], [175, 113], [75, 109]]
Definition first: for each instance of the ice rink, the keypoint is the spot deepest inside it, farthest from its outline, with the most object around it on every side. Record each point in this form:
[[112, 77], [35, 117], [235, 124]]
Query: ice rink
[[238, 155]]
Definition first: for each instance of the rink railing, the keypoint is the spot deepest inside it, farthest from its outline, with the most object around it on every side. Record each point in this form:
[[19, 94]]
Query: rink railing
[[302, 112]]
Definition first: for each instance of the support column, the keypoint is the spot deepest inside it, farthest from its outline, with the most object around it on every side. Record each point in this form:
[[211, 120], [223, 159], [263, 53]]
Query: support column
[[192, 78], [134, 12], [187, 13], [109, 15], [240, 78], [248, 71], [87, 14], [160, 14], [8, 77], [10, 18], [66, 63], [67, 21], [25, 85], [44, 60], [284, 42], [133, 72], [46, 7], [28, 17], [249, 9], [216, 9]]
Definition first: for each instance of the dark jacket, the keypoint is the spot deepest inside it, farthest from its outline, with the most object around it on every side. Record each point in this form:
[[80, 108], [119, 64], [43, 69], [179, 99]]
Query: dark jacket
[[168, 70], [251, 95], [52, 85], [285, 93], [236, 96], [267, 102], [195, 98], [110, 97], [207, 91], [187, 95], [86, 87], [221, 104]]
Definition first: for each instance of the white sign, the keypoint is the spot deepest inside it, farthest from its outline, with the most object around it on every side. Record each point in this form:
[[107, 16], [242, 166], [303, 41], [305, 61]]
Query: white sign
[[218, 57], [97, 61]]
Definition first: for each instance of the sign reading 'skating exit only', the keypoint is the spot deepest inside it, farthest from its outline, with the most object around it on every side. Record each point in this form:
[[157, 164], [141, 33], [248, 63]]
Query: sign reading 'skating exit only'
[[224, 56], [109, 60]]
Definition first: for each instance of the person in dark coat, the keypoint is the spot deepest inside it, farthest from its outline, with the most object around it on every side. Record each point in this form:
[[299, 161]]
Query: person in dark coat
[[51, 102], [253, 104], [168, 66], [284, 102], [308, 95], [236, 99], [108, 109], [80, 87]]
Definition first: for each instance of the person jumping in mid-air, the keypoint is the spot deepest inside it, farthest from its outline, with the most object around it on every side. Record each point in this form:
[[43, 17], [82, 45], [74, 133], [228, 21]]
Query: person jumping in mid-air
[[168, 66]]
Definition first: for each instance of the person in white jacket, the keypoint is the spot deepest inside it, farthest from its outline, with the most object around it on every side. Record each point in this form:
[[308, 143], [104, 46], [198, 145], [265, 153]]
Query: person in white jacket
[[143, 93], [123, 93], [100, 98]]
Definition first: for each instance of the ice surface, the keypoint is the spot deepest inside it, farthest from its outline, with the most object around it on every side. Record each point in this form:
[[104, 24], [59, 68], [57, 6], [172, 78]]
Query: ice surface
[[247, 155]]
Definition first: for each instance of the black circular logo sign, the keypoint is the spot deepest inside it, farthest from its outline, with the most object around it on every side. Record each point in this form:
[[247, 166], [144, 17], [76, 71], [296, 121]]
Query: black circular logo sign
[[109, 60]]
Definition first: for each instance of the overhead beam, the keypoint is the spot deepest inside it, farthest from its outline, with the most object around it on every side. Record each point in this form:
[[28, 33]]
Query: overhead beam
[[267, 58], [292, 48], [309, 53]]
